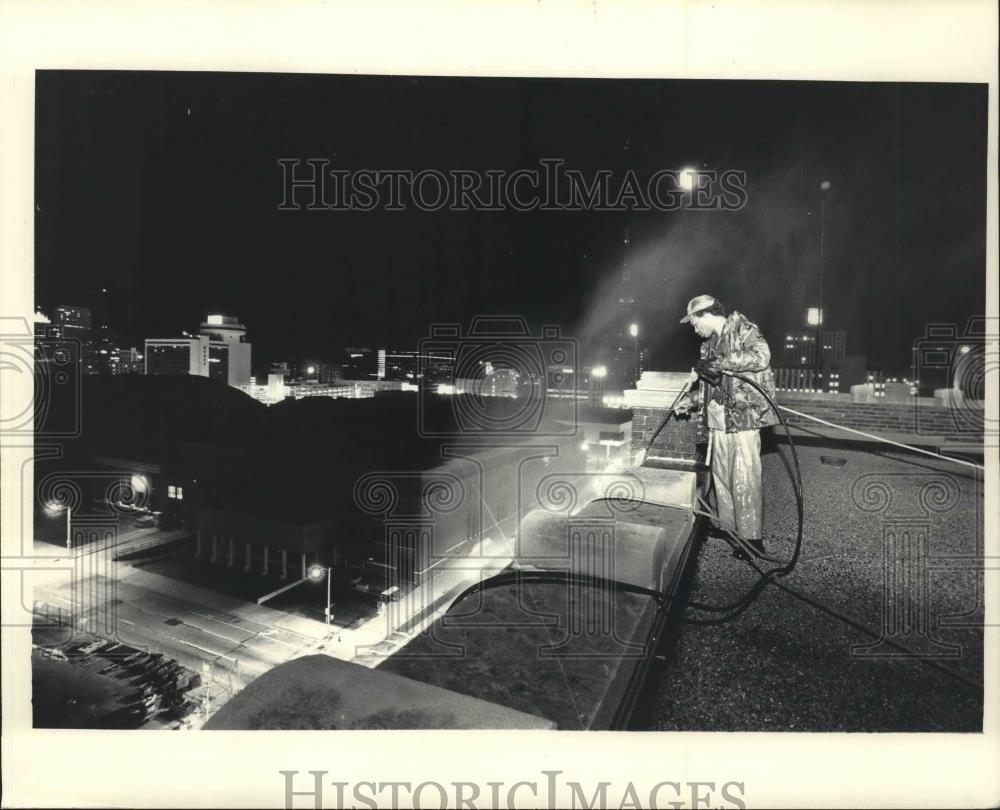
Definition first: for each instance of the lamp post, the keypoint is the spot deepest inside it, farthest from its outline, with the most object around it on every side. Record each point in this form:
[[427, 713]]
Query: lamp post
[[54, 509], [316, 573]]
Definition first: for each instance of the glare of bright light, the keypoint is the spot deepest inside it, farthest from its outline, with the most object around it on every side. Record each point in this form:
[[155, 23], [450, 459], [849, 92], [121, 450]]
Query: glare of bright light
[[814, 316], [316, 572], [825, 185], [310, 369], [965, 349], [53, 508], [633, 330], [585, 447], [139, 483], [687, 179], [599, 372]]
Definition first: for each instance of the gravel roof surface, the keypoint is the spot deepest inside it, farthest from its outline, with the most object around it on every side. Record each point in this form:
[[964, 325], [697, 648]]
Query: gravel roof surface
[[790, 661]]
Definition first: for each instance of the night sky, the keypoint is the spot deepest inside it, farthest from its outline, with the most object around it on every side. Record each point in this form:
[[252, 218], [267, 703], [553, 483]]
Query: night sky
[[163, 188]]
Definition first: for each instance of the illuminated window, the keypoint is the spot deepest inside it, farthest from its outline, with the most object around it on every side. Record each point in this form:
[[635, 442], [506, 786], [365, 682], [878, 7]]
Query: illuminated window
[[175, 492]]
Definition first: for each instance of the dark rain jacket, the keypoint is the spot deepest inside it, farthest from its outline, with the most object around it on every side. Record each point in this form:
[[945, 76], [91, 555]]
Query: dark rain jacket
[[740, 348]]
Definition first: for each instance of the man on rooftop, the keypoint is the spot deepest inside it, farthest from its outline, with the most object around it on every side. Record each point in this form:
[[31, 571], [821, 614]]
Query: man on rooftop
[[734, 412]]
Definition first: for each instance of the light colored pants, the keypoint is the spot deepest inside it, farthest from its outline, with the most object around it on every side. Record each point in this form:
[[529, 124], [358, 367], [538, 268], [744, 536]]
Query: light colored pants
[[736, 478]]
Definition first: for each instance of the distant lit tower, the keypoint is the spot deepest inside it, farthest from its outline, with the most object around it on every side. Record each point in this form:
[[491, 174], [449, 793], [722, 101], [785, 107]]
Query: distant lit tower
[[824, 189], [624, 356], [228, 348], [595, 381]]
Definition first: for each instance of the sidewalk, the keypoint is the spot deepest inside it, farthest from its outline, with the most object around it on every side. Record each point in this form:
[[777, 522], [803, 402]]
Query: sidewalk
[[224, 605], [368, 643], [376, 639]]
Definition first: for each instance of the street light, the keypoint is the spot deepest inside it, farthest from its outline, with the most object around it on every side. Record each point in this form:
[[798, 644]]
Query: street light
[[139, 484], [687, 179], [599, 372], [316, 573], [52, 509]]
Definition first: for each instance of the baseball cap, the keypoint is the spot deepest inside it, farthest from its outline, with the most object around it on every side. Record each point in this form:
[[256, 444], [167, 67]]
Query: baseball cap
[[696, 304]]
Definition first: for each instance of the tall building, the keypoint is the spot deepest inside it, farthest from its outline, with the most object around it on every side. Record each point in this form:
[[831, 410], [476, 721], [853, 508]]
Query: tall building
[[409, 365], [101, 353], [100, 347], [177, 356], [229, 351], [799, 349], [623, 358], [44, 328], [75, 321], [220, 352], [360, 363], [52, 345], [130, 361]]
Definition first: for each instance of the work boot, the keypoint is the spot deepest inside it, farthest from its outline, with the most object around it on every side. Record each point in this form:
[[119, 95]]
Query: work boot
[[756, 545]]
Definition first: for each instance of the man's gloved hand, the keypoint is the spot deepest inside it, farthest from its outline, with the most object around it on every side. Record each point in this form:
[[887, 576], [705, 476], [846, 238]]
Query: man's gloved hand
[[709, 370], [685, 406]]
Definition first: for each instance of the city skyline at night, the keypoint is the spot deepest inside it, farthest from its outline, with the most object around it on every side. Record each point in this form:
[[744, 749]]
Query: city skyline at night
[[198, 224]]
